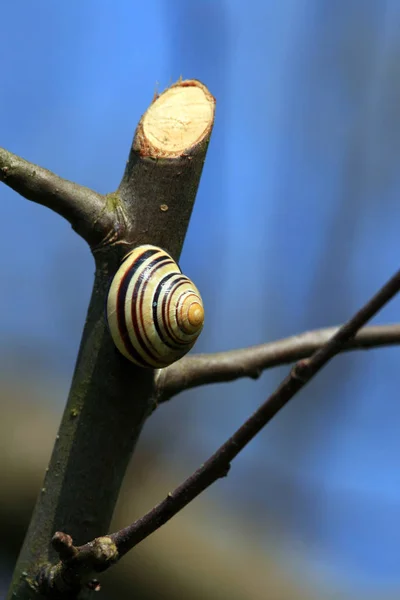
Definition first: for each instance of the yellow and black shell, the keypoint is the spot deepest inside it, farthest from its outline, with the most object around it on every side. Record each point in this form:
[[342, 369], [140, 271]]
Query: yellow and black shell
[[154, 312]]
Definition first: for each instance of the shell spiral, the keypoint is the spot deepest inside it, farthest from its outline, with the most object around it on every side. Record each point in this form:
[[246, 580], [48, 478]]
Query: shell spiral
[[154, 312]]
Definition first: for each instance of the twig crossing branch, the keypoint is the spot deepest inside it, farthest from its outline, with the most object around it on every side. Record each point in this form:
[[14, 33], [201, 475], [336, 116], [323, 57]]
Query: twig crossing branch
[[218, 464], [201, 369]]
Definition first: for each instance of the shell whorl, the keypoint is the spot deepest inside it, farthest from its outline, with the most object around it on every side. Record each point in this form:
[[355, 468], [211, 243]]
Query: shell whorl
[[154, 312]]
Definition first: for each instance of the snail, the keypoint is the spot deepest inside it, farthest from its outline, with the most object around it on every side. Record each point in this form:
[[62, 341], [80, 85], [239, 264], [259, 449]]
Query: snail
[[154, 312]]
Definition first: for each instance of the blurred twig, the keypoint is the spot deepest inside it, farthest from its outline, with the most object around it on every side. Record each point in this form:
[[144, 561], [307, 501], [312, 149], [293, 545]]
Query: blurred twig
[[200, 369]]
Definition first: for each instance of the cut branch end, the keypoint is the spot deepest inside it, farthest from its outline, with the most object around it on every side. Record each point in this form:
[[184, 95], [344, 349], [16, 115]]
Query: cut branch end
[[180, 118]]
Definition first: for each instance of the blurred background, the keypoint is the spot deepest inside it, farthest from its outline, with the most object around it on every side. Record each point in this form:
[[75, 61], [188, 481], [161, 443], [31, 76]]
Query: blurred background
[[296, 224]]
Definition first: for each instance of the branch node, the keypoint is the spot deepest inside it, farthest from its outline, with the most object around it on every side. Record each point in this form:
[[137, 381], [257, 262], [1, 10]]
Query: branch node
[[225, 470], [301, 370], [62, 544], [102, 551], [76, 566]]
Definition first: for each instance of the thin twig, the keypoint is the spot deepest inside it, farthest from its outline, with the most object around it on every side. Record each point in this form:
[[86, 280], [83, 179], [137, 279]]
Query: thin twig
[[200, 369], [218, 464], [89, 213]]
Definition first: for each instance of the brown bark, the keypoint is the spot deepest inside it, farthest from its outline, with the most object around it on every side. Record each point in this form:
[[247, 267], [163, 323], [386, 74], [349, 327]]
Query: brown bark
[[102, 419]]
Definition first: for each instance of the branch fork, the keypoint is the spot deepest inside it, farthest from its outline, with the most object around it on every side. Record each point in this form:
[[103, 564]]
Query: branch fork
[[77, 565], [163, 170]]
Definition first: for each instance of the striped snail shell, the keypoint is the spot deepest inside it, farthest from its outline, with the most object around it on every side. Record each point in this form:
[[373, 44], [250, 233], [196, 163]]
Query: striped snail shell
[[154, 312]]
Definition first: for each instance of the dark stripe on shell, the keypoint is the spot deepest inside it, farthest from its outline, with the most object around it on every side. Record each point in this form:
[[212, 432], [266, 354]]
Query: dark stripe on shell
[[120, 306], [155, 306], [169, 294], [141, 339], [137, 301]]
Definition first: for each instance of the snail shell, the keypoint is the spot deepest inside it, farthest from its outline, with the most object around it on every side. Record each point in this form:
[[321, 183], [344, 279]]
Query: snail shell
[[154, 312]]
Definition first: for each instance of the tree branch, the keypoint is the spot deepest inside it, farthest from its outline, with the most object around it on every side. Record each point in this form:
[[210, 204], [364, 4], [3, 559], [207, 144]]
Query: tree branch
[[165, 164], [200, 369], [87, 211], [218, 464], [102, 422]]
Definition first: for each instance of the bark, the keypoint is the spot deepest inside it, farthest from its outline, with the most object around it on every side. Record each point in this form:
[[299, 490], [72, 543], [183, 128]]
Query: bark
[[103, 419]]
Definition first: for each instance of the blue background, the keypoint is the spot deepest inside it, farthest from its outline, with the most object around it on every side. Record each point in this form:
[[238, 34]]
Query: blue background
[[296, 224]]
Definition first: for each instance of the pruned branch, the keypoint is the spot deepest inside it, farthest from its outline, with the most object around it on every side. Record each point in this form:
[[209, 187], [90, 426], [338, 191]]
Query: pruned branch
[[101, 421], [165, 164], [200, 369], [219, 463]]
